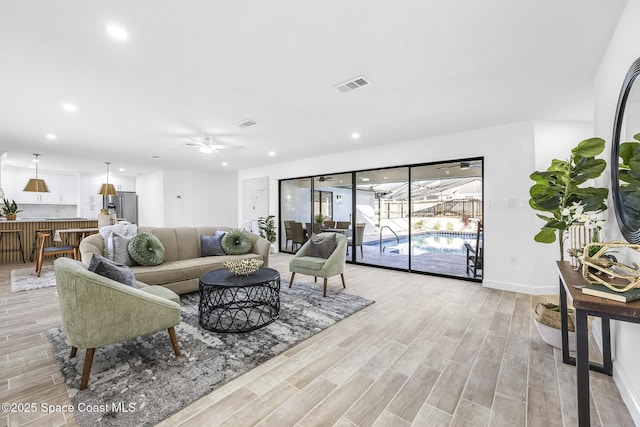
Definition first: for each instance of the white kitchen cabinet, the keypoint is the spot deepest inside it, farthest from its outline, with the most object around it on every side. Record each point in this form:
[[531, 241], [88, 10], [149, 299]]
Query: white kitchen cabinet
[[123, 183], [14, 181], [89, 201]]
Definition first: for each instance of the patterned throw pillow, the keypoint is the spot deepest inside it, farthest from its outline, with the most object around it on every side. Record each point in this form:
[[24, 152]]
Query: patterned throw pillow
[[212, 245], [322, 247], [146, 249], [237, 242], [114, 271]]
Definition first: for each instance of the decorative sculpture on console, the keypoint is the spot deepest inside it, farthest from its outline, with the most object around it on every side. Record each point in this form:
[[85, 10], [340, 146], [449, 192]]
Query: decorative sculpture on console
[[594, 266]]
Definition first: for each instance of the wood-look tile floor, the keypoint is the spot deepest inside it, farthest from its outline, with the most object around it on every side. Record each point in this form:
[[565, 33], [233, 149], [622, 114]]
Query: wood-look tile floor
[[430, 352]]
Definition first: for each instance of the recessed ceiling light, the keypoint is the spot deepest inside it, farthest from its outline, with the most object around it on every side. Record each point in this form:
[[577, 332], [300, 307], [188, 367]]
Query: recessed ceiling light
[[206, 150], [121, 169], [117, 32], [224, 163], [365, 179], [51, 136], [272, 153], [355, 135], [69, 107]]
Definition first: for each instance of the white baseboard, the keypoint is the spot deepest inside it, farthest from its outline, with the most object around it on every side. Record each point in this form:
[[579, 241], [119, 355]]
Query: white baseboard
[[626, 391], [619, 376], [520, 288]]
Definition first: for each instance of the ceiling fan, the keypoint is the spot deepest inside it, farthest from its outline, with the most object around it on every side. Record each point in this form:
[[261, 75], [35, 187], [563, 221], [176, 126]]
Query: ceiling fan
[[463, 165], [207, 144]]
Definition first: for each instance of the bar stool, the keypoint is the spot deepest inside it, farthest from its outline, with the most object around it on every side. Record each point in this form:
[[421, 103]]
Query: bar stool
[[18, 234], [52, 251], [34, 244]]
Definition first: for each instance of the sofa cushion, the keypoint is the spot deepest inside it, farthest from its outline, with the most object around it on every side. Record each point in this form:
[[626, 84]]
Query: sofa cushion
[[121, 249], [236, 242], [146, 249], [178, 271], [212, 245], [114, 271], [322, 247]]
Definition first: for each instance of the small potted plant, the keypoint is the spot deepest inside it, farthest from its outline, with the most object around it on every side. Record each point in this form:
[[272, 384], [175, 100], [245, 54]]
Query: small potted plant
[[268, 228], [319, 218], [10, 209]]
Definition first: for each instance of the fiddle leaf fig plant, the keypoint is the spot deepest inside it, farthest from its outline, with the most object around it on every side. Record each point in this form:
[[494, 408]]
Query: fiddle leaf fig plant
[[558, 190], [629, 175]]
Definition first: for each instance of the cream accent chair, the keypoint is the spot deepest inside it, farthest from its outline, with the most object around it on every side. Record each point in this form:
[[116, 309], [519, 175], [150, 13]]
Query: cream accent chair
[[320, 267], [97, 311]]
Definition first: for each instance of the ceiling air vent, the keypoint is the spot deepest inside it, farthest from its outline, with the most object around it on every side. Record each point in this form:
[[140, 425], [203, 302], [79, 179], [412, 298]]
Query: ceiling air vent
[[247, 123], [352, 84]]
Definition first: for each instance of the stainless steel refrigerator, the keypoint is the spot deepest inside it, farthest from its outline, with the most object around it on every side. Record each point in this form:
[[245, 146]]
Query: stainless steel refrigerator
[[124, 205]]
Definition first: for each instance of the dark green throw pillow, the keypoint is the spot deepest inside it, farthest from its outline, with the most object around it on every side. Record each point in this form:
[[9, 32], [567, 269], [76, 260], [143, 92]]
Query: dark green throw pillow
[[237, 242], [146, 249]]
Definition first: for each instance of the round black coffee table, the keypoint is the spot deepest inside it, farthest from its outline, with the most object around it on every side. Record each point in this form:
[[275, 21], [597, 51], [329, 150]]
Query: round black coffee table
[[230, 303]]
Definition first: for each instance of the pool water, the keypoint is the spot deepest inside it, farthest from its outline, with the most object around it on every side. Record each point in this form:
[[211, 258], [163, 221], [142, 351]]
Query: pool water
[[427, 243]]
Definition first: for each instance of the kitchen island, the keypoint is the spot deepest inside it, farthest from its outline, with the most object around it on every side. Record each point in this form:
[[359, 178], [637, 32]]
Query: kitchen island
[[28, 227]]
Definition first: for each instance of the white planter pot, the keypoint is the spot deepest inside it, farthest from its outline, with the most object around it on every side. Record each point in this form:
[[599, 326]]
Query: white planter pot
[[553, 336]]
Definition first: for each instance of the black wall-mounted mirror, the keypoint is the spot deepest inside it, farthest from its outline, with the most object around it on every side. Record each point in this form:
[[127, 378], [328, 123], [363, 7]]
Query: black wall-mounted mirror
[[625, 157]]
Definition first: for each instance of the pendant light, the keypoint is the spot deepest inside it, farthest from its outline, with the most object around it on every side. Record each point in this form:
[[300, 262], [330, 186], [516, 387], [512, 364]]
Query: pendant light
[[36, 185], [107, 189]]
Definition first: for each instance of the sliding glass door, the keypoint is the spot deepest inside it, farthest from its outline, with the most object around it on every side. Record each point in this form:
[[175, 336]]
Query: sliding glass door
[[446, 206], [424, 218], [382, 213]]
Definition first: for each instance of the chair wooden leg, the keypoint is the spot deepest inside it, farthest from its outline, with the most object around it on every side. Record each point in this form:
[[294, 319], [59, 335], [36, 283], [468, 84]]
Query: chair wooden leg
[[174, 341], [74, 350], [291, 281], [342, 277], [324, 288], [86, 370]]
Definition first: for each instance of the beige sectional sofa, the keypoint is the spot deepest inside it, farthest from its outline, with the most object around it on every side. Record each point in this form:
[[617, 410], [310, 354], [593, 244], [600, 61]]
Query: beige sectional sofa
[[183, 264]]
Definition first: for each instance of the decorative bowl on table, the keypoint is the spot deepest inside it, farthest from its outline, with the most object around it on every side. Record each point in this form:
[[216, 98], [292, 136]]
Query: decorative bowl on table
[[243, 267]]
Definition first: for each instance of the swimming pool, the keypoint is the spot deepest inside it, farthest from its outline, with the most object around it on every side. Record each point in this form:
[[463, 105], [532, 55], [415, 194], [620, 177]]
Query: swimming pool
[[427, 243]]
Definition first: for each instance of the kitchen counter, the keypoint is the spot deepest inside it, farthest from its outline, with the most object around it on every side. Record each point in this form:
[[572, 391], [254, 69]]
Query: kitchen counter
[[28, 227]]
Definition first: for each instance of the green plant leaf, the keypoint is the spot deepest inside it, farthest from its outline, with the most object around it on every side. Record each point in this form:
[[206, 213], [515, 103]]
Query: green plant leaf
[[588, 148], [627, 150], [586, 169], [546, 235]]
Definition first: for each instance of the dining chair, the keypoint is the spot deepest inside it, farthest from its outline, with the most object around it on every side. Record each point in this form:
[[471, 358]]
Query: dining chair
[[329, 224], [359, 234], [343, 225], [287, 233], [474, 254], [297, 234], [44, 251]]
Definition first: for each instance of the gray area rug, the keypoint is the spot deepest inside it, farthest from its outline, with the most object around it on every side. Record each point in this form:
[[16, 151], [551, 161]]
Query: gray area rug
[[25, 279], [140, 382]]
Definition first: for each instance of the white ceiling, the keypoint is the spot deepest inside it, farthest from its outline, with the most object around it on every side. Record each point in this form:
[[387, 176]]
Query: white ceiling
[[202, 66]]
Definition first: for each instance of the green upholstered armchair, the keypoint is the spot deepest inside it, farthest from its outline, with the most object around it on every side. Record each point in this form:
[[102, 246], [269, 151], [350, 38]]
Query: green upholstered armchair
[[97, 311], [320, 267]]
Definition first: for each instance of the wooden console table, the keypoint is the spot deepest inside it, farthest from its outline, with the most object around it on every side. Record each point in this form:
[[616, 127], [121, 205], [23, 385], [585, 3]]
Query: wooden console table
[[571, 282]]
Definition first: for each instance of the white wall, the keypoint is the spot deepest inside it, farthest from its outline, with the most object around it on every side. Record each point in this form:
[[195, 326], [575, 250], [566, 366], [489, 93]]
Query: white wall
[[175, 198], [622, 51], [512, 259], [150, 189]]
